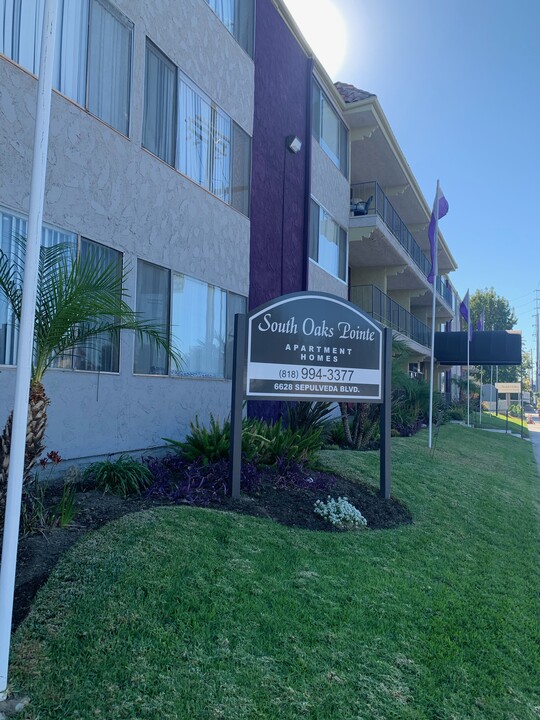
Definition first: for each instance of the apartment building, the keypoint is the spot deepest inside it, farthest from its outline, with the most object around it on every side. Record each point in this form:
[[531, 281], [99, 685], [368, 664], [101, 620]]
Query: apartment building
[[181, 147], [149, 164], [389, 256]]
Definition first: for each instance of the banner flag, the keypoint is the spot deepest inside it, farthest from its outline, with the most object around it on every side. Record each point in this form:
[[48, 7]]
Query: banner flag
[[440, 208]]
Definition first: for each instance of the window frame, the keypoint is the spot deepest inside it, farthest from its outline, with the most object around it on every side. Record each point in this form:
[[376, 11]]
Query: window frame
[[117, 14], [316, 211], [341, 161], [78, 240]]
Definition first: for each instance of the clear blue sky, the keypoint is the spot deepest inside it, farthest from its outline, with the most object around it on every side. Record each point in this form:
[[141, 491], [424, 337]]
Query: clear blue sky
[[459, 82]]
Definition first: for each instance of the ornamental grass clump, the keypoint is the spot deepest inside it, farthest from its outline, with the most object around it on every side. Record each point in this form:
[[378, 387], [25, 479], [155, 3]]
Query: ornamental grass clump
[[340, 513]]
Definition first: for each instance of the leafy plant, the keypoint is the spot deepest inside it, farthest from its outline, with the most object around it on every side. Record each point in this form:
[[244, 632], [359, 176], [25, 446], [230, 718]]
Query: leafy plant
[[124, 476], [302, 416], [262, 442], [77, 300], [65, 511]]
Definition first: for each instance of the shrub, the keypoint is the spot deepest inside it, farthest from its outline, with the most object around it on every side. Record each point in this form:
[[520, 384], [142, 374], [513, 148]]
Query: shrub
[[341, 513], [456, 412], [262, 442], [308, 416], [124, 476]]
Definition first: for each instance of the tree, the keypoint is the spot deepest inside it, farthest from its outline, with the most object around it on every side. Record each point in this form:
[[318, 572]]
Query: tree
[[498, 315], [77, 302]]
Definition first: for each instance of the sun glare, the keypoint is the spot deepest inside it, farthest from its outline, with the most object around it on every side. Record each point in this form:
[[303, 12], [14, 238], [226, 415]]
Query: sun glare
[[324, 28]]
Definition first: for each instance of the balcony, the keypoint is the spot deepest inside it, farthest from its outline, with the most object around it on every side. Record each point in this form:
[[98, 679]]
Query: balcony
[[369, 199], [389, 313]]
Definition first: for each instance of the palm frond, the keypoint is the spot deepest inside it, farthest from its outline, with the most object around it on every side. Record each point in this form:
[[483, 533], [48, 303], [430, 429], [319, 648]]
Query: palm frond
[[81, 300], [11, 281]]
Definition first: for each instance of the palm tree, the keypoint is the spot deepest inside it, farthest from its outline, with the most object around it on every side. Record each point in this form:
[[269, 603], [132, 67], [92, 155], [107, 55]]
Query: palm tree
[[77, 302]]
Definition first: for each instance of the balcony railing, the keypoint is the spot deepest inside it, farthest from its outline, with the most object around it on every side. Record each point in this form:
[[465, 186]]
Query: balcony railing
[[388, 312], [380, 205]]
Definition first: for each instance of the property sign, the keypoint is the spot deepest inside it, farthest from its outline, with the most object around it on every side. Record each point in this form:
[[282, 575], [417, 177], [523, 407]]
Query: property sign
[[508, 387], [314, 346]]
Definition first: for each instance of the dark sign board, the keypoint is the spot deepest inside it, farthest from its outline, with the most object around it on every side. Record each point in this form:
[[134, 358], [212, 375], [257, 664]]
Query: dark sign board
[[313, 346], [496, 347]]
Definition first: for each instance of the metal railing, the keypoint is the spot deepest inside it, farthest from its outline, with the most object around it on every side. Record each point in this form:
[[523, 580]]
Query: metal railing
[[388, 312], [380, 205]]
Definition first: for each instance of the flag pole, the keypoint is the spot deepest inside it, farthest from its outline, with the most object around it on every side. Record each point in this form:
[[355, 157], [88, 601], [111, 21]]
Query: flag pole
[[468, 371], [433, 310], [481, 380], [26, 338]]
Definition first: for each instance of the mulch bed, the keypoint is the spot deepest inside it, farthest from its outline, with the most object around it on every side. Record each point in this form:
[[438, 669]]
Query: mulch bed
[[272, 499]]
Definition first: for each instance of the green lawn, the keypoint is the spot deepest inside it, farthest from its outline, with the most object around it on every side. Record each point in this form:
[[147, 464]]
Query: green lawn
[[193, 614], [498, 422]]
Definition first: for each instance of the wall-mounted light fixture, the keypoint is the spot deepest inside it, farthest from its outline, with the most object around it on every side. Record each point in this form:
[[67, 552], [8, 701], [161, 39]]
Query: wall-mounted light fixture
[[294, 144]]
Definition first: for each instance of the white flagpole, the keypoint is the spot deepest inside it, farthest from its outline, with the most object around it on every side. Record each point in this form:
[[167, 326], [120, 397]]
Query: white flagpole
[[481, 380], [468, 368], [26, 338], [433, 309]]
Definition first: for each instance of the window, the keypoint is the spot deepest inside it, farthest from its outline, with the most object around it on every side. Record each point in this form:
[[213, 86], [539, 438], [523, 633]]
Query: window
[[197, 138], [201, 327], [204, 142], [159, 124], [102, 353], [329, 130], [237, 16], [328, 242], [92, 52], [13, 229], [153, 300]]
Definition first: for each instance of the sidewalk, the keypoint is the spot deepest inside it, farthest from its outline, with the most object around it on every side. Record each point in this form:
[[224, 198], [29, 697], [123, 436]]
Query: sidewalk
[[534, 432]]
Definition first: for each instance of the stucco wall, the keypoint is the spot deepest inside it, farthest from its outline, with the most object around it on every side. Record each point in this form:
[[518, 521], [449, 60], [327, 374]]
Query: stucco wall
[[319, 279], [107, 188], [329, 186]]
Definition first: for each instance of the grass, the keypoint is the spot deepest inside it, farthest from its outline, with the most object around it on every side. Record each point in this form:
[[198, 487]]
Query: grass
[[199, 614], [498, 422]]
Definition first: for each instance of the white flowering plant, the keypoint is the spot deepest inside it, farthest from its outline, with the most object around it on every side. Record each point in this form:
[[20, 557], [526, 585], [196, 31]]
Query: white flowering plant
[[341, 513]]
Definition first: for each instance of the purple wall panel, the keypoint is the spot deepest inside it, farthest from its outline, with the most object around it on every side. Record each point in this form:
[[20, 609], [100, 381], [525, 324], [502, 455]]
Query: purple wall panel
[[278, 251]]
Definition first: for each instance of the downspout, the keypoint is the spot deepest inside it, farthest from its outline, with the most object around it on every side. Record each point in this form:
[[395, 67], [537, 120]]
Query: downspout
[[307, 194]]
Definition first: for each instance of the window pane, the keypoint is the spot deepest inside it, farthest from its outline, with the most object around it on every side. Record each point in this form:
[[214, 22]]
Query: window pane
[[328, 243], [11, 228], [241, 172], [330, 130], [224, 9], [221, 156], [343, 149], [102, 352], [243, 24], [159, 105], [153, 291], [316, 111], [21, 24], [342, 254], [109, 66], [199, 327], [236, 304], [194, 135], [70, 50]]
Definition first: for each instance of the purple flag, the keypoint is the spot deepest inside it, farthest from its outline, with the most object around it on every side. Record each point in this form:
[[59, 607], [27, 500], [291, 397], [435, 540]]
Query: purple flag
[[481, 321], [440, 206], [464, 312]]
